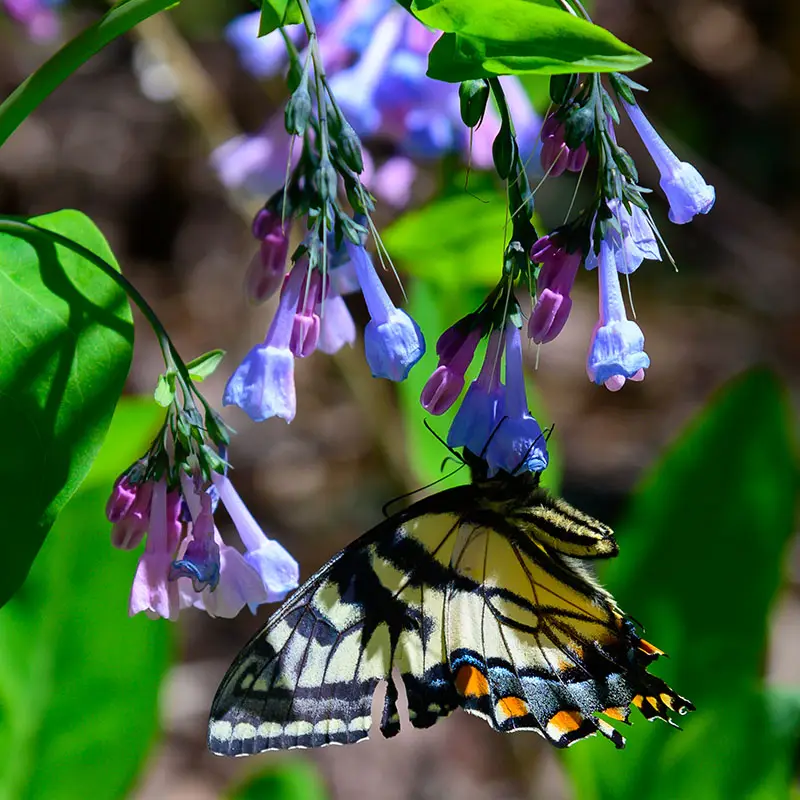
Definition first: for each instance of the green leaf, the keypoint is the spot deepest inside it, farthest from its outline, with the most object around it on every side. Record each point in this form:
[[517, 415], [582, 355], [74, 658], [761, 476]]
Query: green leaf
[[701, 552], [277, 13], [455, 242], [293, 779], [65, 350], [485, 38], [204, 365], [164, 392], [79, 680]]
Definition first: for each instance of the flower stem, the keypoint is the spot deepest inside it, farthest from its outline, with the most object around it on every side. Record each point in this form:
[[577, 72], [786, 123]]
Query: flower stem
[[34, 89]]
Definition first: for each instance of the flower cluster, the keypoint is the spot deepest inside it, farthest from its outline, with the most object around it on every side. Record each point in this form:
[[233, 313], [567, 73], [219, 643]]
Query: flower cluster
[[376, 56], [169, 496], [616, 233]]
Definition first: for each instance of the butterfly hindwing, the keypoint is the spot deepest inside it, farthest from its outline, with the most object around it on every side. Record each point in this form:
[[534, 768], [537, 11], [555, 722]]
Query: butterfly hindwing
[[309, 677]]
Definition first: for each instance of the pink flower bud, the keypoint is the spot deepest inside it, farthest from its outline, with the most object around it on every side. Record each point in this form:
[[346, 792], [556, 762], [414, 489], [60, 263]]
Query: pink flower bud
[[445, 385], [122, 496], [266, 270], [555, 153], [128, 532], [549, 316], [306, 323], [578, 158]]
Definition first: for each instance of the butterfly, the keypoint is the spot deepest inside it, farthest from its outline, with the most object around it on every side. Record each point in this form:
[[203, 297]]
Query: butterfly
[[482, 597]]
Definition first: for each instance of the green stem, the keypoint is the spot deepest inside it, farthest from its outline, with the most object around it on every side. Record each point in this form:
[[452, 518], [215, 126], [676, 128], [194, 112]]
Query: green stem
[[34, 89], [319, 73]]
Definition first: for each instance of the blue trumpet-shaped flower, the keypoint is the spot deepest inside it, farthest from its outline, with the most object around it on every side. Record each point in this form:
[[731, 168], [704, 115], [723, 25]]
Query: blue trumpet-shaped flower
[[688, 194], [616, 350], [393, 342]]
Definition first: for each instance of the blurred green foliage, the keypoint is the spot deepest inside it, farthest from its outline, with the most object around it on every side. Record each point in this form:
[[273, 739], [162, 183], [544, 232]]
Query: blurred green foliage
[[291, 779], [701, 554], [79, 681], [65, 350]]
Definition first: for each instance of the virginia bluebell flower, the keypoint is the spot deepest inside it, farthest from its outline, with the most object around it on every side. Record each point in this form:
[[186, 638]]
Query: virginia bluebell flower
[[337, 327], [635, 242], [616, 350], [482, 407], [393, 342], [688, 194], [517, 444], [263, 384], [199, 560], [152, 591], [276, 569], [553, 287]]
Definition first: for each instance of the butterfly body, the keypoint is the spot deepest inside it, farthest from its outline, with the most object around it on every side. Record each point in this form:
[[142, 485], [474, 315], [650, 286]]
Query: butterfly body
[[482, 597]]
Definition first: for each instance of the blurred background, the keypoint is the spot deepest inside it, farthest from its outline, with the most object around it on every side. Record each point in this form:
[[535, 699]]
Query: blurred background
[[127, 141]]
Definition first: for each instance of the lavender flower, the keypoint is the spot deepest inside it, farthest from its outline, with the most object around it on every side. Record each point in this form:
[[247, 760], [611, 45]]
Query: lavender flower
[[688, 194], [263, 384], [518, 443], [200, 560], [616, 350], [393, 342], [336, 326], [152, 591]]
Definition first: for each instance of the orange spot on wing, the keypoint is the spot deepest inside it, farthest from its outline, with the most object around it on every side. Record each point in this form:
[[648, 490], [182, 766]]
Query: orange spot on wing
[[471, 682], [566, 721], [615, 712], [638, 700], [512, 707], [667, 701], [653, 702]]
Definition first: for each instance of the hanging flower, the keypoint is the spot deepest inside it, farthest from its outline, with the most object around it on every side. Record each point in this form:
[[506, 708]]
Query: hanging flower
[[553, 287], [616, 350]]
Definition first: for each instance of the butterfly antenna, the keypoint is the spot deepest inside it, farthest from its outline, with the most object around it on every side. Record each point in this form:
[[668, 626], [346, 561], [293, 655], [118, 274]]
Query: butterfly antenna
[[489, 440], [453, 452], [385, 509]]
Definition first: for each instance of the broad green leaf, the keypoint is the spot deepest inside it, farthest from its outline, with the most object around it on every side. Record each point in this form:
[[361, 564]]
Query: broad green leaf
[[204, 365], [485, 38], [701, 552], [436, 309], [276, 13], [455, 242], [292, 779], [79, 680], [65, 348]]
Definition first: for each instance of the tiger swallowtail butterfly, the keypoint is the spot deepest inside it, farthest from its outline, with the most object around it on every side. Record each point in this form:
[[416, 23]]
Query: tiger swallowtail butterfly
[[482, 597]]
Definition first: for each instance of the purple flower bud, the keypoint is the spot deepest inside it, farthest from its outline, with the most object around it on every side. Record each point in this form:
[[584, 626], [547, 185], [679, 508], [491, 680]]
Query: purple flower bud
[[336, 326], [555, 153], [554, 284], [616, 351], [129, 530], [578, 158], [306, 323], [482, 406], [265, 274], [518, 443], [122, 497], [447, 381], [393, 342], [263, 384], [688, 194], [454, 338]]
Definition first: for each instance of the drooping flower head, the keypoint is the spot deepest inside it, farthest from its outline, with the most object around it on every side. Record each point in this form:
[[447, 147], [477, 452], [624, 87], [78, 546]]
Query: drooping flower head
[[688, 194], [616, 351], [393, 342]]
